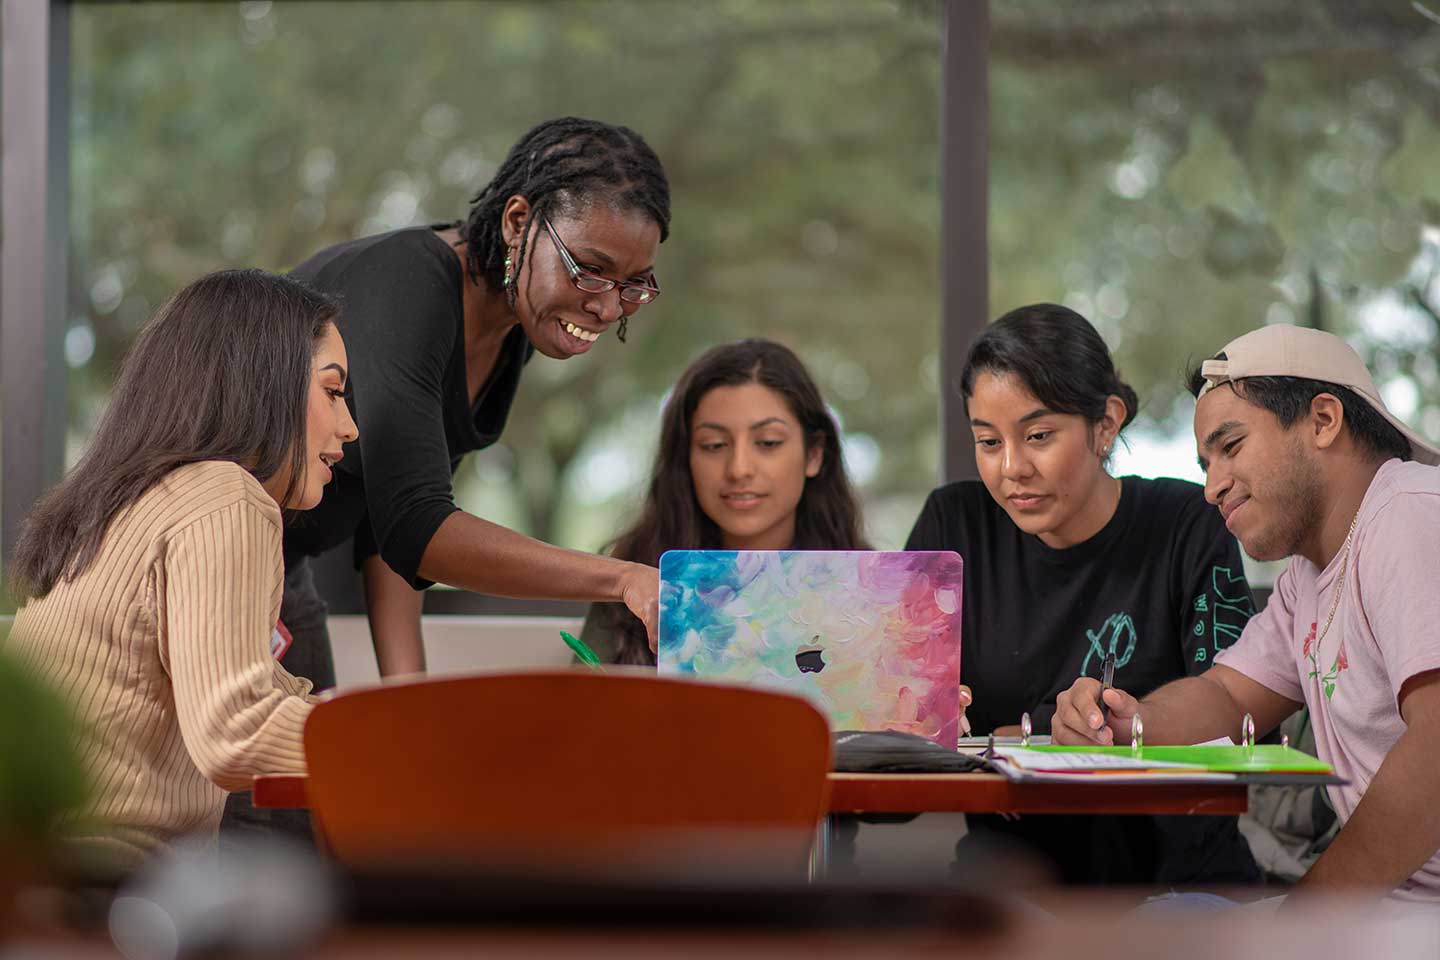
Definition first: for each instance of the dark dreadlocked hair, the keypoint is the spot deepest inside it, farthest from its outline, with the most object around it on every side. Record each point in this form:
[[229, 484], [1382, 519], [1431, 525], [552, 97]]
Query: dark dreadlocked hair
[[562, 165]]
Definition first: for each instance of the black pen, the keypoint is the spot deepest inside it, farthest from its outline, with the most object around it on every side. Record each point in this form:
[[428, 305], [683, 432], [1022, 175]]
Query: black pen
[[1107, 680]]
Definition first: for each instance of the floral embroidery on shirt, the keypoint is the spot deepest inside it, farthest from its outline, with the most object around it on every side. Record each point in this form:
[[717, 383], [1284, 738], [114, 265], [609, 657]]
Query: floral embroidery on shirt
[[1331, 678]]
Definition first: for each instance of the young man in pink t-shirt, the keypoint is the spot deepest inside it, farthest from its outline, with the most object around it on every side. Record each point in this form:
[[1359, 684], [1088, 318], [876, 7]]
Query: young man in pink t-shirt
[[1304, 461]]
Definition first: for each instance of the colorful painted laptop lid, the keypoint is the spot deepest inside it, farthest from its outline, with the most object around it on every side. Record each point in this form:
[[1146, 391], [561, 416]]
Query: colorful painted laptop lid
[[872, 638]]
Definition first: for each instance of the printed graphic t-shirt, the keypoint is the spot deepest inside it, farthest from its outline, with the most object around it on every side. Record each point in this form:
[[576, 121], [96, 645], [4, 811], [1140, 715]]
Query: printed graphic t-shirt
[[1161, 587], [1383, 633]]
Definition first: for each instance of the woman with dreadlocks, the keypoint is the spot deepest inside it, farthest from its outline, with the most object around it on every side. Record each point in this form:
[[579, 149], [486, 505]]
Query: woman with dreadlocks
[[557, 251]]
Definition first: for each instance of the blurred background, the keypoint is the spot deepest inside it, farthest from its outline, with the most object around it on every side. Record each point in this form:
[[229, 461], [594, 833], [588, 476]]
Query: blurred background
[[1178, 172]]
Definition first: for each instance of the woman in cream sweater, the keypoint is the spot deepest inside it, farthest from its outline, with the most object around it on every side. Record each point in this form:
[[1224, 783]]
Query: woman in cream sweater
[[153, 570]]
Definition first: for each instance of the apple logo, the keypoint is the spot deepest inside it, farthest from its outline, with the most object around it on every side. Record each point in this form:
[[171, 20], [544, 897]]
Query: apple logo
[[810, 658]]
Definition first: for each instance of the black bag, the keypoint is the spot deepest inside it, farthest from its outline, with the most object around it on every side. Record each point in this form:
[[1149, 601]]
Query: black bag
[[887, 751]]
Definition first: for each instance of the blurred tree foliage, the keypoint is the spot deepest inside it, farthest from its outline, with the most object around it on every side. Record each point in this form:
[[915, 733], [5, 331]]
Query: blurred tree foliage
[[1178, 170], [1184, 170], [800, 139]]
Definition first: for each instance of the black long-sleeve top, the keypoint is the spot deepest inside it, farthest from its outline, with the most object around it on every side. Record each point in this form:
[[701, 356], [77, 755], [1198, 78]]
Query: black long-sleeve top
[[402, 318]]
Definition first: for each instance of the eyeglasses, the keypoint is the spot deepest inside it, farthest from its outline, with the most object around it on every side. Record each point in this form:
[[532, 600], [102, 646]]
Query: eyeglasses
[[631, 291]]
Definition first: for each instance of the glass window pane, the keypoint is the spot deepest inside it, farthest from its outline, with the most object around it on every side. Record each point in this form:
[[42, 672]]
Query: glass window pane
[[800, 139]]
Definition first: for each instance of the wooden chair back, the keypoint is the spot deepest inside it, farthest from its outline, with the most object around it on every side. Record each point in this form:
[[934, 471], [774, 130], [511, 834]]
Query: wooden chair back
[[541, 767]]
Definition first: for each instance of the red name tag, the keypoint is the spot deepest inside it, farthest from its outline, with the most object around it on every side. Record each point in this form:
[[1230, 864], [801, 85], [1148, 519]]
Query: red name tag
[[280, 640]]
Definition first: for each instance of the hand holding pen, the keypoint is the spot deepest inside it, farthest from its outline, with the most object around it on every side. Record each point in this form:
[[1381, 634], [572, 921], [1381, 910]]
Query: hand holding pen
[[1107, 681], [1093, 712]]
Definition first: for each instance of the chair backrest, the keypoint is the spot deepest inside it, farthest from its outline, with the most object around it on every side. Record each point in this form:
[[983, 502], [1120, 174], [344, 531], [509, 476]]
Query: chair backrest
[[545, 766]]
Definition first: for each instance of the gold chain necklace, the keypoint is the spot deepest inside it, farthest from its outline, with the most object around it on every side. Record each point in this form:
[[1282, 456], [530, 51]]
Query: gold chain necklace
[[1339, 583]]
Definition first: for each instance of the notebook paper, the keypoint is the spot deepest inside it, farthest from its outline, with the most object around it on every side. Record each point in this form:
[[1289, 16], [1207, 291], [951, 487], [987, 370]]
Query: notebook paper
[[1034, 758]]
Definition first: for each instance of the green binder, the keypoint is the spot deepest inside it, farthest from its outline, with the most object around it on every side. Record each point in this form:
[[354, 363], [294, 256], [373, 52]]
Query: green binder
[[1261, 758]]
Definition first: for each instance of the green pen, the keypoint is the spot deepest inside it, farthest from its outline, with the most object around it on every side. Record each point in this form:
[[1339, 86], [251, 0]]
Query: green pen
[[586, 655]]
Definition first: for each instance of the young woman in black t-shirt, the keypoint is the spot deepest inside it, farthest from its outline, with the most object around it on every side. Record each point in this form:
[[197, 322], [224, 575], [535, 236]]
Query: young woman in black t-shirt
[[1065, 563], [749, 459]]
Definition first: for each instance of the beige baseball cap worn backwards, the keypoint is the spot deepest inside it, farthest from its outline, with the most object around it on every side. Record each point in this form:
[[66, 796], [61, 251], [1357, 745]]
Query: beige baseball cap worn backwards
[[1285, 350]]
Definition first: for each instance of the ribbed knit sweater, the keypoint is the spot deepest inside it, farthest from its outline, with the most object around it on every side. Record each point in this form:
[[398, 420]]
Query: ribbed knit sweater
[[162, 645]]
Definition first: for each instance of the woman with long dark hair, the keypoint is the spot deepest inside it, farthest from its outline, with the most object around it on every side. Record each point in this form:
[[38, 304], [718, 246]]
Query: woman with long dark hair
[[152, 572], [749, 458], [1066, 565]]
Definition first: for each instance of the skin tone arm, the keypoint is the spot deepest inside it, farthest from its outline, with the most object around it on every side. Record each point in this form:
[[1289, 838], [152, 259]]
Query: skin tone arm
[[1396, 827], [1394, 830], [393, 608], [478, 555], [1188, 710], [475, 554]]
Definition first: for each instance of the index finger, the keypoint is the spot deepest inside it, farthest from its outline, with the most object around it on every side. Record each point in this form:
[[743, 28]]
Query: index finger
[[652, 625]]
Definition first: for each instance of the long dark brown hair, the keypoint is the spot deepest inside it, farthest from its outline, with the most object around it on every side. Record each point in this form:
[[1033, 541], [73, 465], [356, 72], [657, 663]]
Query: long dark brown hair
[[827, 517], [221, 372]]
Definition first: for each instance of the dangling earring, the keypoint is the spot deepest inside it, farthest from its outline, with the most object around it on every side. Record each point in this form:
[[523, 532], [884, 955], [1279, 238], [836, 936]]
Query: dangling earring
[[508, 283], [620, 330]]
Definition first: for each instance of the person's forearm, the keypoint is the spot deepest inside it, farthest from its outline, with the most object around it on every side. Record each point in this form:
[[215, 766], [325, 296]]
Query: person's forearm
[[1190, 710], [475, 554], [1395, 828], [393, 608]]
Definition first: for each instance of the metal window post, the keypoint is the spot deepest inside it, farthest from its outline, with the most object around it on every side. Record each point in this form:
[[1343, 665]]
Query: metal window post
[[34, 206], [964, 216]]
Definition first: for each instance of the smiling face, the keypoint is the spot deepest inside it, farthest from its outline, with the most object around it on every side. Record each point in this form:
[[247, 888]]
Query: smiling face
[[328, 425], [561, 320], [1043, 467], [1263, 477], [749, 464]]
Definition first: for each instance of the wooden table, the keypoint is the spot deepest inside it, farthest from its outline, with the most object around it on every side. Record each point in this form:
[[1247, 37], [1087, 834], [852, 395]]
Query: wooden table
[[949, 793], [941, 793]]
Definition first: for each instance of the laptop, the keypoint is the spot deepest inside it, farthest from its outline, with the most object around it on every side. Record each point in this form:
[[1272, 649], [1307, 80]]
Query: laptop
[[872, 638]]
